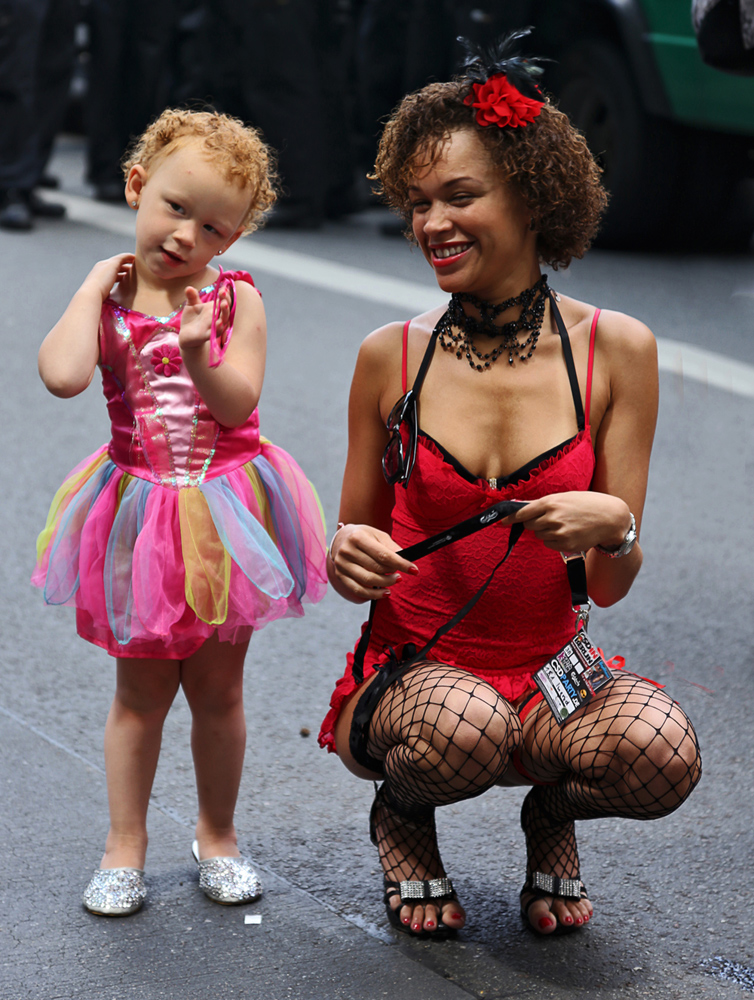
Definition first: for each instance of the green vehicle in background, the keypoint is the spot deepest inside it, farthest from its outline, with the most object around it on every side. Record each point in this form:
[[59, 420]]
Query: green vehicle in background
[[675, 138]]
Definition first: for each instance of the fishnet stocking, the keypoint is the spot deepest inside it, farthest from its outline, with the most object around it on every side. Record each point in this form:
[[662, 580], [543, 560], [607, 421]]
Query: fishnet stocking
[[443, 736], [632, 752]]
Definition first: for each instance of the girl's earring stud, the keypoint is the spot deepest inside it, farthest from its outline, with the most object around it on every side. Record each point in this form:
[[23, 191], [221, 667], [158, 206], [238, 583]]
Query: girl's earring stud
[[134, 203]]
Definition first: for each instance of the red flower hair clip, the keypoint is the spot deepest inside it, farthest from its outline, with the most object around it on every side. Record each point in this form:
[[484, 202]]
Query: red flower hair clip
[[499, 103], [504, 86]]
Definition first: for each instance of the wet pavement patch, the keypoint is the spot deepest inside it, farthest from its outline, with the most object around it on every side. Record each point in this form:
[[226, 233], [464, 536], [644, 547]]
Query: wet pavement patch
[[722, 968]]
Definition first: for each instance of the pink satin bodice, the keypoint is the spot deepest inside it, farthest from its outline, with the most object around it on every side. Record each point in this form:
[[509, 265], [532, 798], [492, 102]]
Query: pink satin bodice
[[161, 429]]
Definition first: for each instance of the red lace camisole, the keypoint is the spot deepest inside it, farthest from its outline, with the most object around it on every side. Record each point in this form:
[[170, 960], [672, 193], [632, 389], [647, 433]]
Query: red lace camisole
[[525, 615]]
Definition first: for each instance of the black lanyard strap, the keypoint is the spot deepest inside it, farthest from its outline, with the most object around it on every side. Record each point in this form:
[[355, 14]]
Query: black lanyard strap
[[462, 529], [433, 544], [576, 570]]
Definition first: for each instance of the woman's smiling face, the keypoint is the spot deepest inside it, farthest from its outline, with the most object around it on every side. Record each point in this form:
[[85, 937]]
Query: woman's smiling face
[[473, 228]]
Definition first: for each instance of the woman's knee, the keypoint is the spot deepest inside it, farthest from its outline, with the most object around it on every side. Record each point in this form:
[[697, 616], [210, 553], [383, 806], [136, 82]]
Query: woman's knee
[[474, 724], [659, 757]]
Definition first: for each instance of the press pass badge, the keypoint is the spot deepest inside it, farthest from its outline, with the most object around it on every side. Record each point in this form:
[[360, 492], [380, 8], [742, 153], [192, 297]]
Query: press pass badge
[[573, 676]]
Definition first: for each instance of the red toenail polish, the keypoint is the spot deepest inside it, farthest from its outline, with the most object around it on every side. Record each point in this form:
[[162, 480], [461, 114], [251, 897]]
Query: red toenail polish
[[568, 920], [430, 923], [544, 923], [457, 916], [579, 920], [407, 920]]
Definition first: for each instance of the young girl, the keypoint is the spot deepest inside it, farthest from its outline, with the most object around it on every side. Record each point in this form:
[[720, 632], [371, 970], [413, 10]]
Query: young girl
[[188, 531]]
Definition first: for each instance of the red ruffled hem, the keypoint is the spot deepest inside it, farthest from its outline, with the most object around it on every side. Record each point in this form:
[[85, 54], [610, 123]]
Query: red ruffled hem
[[511, 684]]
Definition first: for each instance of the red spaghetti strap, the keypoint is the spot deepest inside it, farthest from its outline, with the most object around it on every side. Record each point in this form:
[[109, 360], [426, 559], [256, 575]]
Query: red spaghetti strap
[[404, 368], [590, 366]]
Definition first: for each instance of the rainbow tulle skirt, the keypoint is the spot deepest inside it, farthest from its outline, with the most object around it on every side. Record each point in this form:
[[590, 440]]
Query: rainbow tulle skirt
[[153, 571]]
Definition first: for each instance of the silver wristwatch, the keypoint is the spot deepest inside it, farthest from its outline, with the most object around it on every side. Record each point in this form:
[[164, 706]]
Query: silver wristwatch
[[626, 545]]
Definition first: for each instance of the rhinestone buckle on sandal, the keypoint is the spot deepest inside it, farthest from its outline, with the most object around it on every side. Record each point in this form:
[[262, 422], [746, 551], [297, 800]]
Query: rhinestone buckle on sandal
[[229, 881], [560, 888], [115, 892]]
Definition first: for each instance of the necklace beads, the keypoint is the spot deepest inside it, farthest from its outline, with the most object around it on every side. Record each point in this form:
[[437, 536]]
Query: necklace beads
[[457, 329]]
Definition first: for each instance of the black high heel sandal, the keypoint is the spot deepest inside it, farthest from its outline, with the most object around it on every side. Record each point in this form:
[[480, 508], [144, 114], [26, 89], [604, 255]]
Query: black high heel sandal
[[412, 892], [543, 886]]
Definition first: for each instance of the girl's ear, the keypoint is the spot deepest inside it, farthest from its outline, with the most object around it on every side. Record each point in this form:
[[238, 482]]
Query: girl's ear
[[137, 178], [229, 243]]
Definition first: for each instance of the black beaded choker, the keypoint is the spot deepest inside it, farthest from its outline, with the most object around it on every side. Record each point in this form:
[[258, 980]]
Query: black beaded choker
[[461, 339]]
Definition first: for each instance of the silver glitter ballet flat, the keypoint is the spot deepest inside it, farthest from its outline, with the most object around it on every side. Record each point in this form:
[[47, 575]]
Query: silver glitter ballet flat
[[227, 880], [115, 892]]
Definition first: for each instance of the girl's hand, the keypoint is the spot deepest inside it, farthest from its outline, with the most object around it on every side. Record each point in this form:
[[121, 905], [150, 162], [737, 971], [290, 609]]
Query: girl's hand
[[107, 273], [576, 521], [196, 323], [366, 563]]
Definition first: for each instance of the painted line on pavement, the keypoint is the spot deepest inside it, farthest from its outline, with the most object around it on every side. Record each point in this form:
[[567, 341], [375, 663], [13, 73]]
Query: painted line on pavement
[[373, 930], [19, 720], [674, 356]]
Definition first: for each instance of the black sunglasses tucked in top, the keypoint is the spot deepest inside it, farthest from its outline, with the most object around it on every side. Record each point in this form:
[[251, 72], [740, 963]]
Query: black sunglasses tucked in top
[[398, 460]]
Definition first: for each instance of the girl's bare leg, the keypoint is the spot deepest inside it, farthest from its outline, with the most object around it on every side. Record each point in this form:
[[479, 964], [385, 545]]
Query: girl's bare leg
[[212, 680], [631, 752], [144, 692]]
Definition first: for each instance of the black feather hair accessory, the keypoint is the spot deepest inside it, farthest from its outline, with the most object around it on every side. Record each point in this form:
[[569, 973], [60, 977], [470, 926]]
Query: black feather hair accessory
[[504, 86], [524, 72]]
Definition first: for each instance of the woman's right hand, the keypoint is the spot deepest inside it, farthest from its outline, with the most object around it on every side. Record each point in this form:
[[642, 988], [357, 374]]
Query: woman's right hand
[[365, 563], [107, 273]]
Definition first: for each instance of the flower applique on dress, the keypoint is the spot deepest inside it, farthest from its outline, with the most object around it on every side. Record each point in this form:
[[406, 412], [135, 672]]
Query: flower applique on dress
[[166, 360]]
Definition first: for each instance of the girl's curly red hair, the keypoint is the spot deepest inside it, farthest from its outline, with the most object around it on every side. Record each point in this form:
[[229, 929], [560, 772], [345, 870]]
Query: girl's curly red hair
[[238, 151]]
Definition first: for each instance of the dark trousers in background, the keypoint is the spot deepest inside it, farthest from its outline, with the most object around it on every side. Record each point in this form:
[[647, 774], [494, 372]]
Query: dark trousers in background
[[130, 76], [37, 53], [279, 65]]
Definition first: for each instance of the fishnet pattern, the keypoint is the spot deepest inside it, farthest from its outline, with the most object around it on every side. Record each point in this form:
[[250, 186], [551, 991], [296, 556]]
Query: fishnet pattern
[[443, 736], [632, 752]]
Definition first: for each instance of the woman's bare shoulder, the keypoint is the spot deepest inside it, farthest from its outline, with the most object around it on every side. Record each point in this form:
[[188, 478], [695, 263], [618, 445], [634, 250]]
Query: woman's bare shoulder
[[625, 338], [385, 344], [617, 332]]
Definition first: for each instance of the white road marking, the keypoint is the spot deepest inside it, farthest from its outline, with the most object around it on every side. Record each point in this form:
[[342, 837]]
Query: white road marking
[[677, 357]]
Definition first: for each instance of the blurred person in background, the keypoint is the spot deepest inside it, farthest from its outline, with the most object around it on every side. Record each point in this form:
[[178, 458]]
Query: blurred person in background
[[283, 65], [400, 46], [131, 58], [36, 63]]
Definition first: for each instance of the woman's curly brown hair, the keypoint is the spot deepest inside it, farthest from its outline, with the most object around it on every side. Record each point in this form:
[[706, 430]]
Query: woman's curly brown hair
[[238, 150], [547, 160]]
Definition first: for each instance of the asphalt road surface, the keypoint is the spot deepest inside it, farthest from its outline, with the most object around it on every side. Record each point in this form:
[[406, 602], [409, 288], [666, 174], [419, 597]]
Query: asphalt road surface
[[672, 898]]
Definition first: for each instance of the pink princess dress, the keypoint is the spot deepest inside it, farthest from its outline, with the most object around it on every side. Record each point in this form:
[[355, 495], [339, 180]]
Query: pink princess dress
[[179, 527]]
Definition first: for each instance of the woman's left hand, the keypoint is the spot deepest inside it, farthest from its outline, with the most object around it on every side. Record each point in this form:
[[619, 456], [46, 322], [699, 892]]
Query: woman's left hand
[[576, 521]]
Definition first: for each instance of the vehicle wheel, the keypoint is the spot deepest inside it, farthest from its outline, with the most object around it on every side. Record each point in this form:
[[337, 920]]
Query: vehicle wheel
[[637, 152]]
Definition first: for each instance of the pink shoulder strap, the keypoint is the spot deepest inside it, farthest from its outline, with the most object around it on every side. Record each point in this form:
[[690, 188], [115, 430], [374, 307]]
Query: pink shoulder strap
[[243, 276], [404, 365], [590, 365]]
